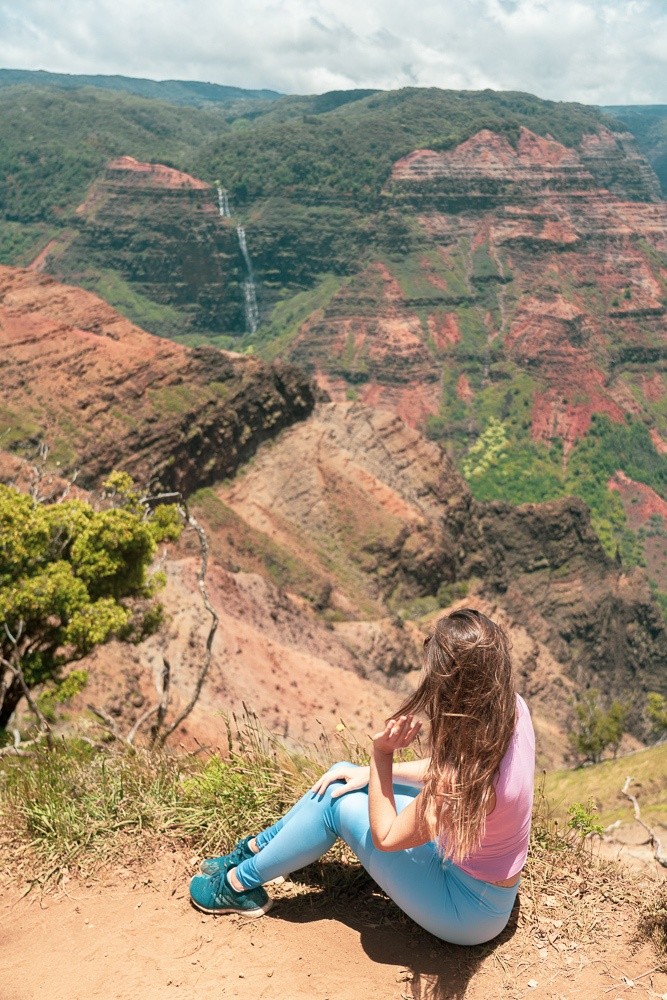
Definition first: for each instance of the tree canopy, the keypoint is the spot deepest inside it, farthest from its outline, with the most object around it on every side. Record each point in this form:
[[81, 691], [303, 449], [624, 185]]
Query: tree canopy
[[72, 577]]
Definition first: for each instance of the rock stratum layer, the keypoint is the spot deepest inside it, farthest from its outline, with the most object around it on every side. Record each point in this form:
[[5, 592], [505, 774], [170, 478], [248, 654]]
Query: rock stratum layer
[[104, 394], [518, 260], [347, 518]]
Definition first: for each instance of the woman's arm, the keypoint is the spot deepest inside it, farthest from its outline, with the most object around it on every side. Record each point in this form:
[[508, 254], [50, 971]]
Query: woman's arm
[[411, 772], [392, 831]]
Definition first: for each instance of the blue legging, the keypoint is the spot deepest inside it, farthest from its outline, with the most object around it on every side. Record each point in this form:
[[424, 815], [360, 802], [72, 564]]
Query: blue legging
[[435, 893]]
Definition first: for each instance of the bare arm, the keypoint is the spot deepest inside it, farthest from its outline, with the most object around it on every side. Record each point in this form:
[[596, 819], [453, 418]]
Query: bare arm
[[411, 772], [351, 778], [392, 831]]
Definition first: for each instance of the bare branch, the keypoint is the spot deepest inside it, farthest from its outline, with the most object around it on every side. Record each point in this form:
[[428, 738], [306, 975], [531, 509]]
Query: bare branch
[[129, 739], [653, 839], [162, 737], [107, 720], [158, 725]]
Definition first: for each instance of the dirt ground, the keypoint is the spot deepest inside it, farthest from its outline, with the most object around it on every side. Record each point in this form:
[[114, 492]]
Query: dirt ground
[[130, 935]]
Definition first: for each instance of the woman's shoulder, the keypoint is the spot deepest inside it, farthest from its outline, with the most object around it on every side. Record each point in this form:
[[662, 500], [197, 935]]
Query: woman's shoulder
[[524, 723]]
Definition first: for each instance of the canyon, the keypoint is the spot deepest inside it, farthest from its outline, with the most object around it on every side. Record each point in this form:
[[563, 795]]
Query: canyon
[[330, 525]]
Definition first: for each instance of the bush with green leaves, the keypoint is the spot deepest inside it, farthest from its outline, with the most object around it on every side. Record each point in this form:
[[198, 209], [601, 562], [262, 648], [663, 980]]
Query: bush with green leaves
[[72, 577], [656, 709], [581, 819], [597, 727]]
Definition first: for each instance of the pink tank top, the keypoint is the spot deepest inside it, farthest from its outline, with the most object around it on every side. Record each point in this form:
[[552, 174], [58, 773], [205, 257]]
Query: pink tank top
[[504, 848]]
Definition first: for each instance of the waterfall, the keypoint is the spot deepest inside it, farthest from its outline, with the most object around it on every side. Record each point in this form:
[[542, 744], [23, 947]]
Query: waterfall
[[249, 290], [223, 203]]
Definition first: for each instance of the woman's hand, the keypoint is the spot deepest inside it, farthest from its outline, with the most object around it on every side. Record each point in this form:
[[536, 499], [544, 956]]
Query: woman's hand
[[355, 778], [397, 734]]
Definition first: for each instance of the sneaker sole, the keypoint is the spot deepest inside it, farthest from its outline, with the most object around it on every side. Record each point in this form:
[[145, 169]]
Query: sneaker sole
[[257, 912]]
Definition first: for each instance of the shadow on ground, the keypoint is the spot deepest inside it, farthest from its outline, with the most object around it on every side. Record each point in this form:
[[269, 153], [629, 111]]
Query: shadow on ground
[[430, 968]]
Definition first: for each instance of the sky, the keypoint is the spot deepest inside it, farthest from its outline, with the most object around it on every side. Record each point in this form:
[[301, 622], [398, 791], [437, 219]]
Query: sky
[[593, 51]]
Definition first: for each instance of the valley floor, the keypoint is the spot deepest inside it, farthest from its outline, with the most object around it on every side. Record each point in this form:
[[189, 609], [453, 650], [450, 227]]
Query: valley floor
[[132, 933]]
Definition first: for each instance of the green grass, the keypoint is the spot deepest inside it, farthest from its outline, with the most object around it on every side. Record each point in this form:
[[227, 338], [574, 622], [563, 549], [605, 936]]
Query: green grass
[[290, 313], [20, 242], [603, 782], [158, 318], [16, 426], [78, 806]]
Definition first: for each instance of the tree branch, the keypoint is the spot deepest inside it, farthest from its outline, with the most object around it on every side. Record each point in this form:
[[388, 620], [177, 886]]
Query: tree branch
[[652, 837], [164, 701], [14, 665], [161, 737]]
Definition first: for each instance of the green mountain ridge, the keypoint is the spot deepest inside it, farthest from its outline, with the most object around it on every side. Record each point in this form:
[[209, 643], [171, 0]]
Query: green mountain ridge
[[351, 265], [190, 92]]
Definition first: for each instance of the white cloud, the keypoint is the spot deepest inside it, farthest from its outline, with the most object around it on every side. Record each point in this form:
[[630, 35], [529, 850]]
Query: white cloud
[[596, 51]]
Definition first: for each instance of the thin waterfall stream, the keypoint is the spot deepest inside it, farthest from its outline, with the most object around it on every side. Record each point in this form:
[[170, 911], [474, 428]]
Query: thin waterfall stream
[[249, 289], [223, 203]]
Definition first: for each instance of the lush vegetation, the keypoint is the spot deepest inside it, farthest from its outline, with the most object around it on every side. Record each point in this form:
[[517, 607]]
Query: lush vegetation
[[71, 577], [602, 783], [53, 144], [173, 91], [648, 124]]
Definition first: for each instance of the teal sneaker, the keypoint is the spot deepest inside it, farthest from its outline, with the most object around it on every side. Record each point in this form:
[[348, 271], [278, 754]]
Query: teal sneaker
[[214, 866], [215, 895]]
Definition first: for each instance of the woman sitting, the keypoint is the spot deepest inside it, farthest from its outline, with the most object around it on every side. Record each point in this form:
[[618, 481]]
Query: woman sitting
[[445, 837]]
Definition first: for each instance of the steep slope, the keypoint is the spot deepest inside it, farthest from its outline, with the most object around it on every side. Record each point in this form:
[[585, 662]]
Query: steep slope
[[343, 525], [155, 236], [105, 394], [519, 316], [384, 515]]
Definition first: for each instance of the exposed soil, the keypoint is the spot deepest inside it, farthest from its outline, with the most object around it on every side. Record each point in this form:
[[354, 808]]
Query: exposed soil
[[134, 934]]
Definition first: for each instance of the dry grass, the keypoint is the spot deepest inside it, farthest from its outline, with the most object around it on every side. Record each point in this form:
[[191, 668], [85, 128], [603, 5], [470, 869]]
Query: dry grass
[[77, 809]]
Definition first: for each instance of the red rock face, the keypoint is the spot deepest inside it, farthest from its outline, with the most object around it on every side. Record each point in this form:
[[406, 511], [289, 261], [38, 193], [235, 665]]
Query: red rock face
[[535, 162], [155, 174], [346, 347], [522, 255], [646, 512], [105, 394]]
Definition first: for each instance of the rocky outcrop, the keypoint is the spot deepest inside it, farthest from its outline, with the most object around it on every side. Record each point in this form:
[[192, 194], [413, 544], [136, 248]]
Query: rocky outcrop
[[487, 170], [386, 515], [526, 265], [104, 394]]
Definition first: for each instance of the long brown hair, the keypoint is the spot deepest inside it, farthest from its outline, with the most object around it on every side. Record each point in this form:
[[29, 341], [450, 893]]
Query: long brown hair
[[467, 691]]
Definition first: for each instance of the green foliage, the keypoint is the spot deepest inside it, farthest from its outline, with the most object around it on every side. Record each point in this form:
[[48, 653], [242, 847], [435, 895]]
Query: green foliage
[[346, 154], [70, 577], [488, 450], [582, 819], [656, 710], [190, 92], [77, 804], [450, 592], [58, 692], [53, 144], [597, 728], [610, 446]]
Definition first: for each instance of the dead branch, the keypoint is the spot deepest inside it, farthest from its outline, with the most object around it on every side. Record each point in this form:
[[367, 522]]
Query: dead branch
[[109, 723], [129, 739], [158, 725], [162, 736], [653, 839]]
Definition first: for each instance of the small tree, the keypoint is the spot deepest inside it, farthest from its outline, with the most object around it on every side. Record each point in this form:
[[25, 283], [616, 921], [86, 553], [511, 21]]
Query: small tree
[[72, 577], [597, 727], [656, 709]]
